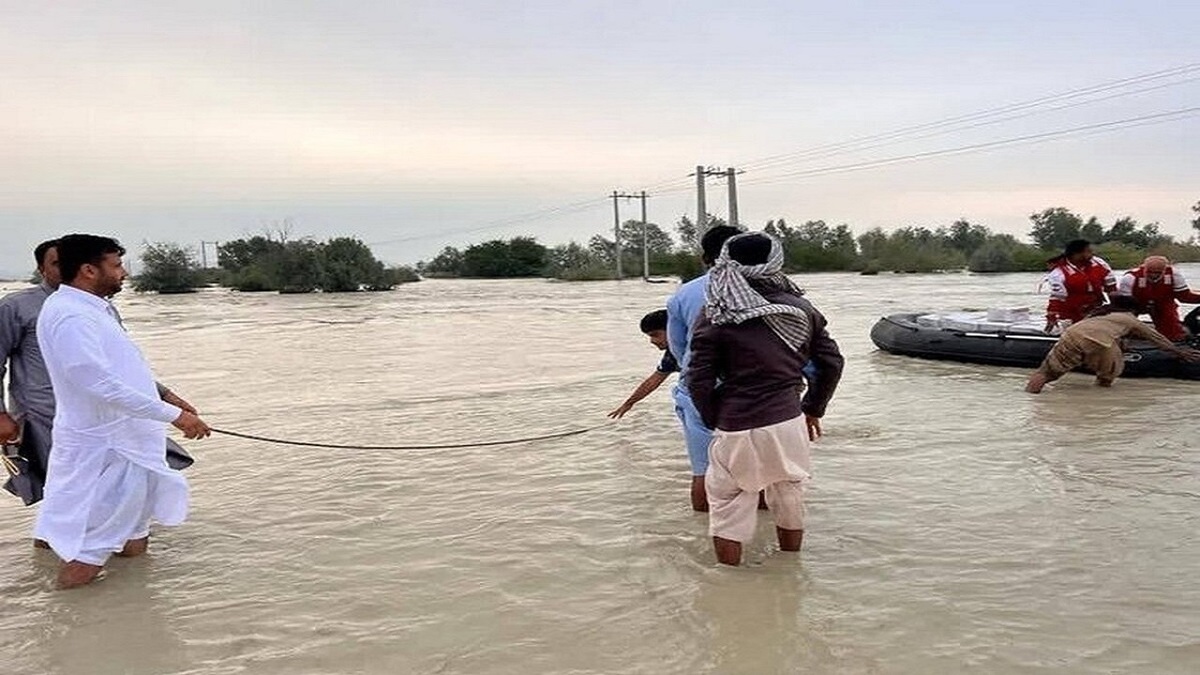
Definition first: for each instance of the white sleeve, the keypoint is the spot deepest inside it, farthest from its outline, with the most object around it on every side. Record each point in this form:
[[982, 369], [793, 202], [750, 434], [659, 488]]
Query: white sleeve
[[1181, 284], [1057, 282], [1125, 285], [1110, 279]]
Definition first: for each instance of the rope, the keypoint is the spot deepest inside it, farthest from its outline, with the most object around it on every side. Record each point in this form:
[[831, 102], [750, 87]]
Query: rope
[[447, 446]]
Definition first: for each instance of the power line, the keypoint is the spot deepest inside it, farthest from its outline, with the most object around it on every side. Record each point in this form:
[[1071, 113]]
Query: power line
[[983, 114], [503, 222], [1087, 129], [964, 122], [835, 151]]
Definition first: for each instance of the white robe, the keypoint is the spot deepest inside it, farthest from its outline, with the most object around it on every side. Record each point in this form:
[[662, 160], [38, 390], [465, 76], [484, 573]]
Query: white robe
[[108, 475]]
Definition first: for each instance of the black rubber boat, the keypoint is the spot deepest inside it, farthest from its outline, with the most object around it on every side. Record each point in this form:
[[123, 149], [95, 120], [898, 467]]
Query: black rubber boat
[[1020, 347]]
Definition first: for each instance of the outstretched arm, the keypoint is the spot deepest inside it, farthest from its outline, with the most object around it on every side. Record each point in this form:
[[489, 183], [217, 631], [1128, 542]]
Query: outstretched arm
[[647, 387]]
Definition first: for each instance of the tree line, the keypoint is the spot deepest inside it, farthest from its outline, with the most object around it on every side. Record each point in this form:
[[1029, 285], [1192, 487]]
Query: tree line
[[271, 262], [816, 246], [277, 262]]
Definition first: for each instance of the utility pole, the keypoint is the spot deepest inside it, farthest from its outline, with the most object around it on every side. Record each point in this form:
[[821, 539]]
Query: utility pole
[[645, 241], [730, 175], [617, 232], [204, 252], [731, 180]]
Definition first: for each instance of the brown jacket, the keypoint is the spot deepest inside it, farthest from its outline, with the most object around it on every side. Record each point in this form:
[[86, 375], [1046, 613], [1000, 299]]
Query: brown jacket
[[1108, 329], [744, 376]]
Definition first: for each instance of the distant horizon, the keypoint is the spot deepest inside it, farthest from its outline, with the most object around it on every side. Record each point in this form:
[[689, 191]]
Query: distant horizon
[[423, 122]]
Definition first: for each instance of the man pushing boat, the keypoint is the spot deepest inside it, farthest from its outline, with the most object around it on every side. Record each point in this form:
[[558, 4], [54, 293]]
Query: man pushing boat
[[1096, 342]]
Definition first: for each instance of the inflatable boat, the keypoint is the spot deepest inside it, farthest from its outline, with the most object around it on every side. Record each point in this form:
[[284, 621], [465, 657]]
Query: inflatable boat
[[1011, 340]]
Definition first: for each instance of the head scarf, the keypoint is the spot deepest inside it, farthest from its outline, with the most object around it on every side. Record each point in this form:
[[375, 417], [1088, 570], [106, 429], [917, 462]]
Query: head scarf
[[732, 298]]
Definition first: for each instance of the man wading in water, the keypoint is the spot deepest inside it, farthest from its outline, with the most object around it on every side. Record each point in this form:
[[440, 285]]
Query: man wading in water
[[756, 337], [1095, 342], [683, 309], [108, 476]]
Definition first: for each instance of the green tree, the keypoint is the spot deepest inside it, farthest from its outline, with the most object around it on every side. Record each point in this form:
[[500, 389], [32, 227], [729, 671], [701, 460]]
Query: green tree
[[1003, 253], [395, 276], [1127, 231], [518, 257], [241, 253], [299, 267], [689, 237], [657, 239], [815, 246], [168, 268], [448, 263], [1093, 231], [966, 238], [574, 262], [1054, 228], [909, 249], [1120, 255], [349, 265]]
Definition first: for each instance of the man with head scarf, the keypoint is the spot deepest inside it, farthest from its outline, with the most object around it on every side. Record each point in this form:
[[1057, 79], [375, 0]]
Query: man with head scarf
[[1157, 289], [749, 351]]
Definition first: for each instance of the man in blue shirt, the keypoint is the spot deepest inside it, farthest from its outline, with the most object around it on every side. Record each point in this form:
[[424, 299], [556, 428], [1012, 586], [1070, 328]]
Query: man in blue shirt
[[683, 309]]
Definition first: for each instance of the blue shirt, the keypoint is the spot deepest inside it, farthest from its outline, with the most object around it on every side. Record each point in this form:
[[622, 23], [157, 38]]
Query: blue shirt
[[683, 310]]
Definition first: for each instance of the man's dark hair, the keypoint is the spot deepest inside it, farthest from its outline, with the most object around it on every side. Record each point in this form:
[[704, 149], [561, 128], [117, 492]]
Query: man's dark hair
[[39, 253], [656, 320], [77, 250], [752, 249], [714, 239], [1073, 247]]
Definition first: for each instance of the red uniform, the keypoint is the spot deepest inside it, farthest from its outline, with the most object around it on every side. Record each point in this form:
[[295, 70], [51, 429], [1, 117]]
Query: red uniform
[[1077, 290], [1159, 298]]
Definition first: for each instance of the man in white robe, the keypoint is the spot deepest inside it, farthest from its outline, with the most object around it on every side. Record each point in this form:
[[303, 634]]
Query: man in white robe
[[108, 477]]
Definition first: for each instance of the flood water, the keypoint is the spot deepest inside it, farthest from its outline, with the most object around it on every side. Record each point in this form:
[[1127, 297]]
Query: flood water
[[956, 524]]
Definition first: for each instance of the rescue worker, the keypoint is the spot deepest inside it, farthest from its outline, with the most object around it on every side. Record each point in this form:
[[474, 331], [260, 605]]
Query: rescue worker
[[1157, 289], [1078, 280]]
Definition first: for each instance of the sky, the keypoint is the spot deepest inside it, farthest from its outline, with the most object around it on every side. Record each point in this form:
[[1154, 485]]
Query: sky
[[416, 125]]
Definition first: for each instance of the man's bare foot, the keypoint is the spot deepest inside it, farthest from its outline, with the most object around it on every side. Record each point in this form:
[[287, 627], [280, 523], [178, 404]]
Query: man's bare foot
[[135, 547], [1103, 383], [699, 495], [789, 540], [41, 543], [729, 552], [75, 574]]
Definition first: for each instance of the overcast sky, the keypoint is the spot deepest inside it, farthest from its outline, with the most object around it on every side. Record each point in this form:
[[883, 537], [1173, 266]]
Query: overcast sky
[[415, 121]]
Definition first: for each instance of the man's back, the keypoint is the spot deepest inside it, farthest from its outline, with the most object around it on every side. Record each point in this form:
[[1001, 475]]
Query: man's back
[[761, 375], [683, 309], [1106, 330]]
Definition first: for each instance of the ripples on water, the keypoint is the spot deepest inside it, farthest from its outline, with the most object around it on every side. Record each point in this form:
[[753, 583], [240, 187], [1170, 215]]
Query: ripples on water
[[956, 523]]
